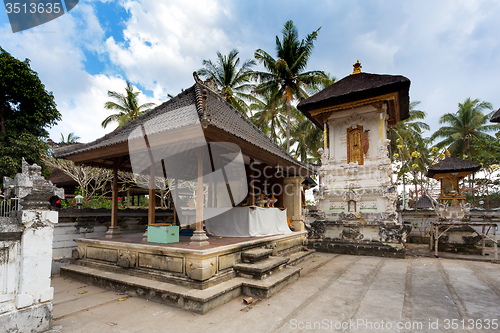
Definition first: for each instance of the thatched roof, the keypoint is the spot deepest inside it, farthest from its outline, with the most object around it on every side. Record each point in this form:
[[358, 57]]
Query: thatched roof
[[357, 87], [309, 182], [496, 117], [452, 164], [175, 114], [423, 202]]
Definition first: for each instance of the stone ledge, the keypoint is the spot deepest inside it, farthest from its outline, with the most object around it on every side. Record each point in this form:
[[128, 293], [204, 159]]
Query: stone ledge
[[358, 248], [257, 254], [199, 301], [261, 268]]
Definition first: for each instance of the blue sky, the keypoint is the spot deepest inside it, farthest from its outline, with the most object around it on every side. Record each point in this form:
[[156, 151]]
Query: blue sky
[[449, 49]]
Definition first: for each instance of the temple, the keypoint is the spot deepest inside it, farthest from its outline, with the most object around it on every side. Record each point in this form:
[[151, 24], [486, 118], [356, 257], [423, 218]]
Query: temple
[[246, 211], [356, 194]]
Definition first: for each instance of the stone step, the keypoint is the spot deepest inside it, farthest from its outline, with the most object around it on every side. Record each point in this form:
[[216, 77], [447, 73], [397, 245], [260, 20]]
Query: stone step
[[298, 257], [261, 269], [255, 255], [195, 300]]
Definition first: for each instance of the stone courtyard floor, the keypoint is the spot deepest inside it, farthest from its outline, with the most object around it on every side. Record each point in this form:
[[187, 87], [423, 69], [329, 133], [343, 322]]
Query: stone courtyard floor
[[336, 293]]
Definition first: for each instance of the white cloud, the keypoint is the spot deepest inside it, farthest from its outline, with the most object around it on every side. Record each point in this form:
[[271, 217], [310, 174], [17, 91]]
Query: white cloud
[[85, 112], [166, 41]]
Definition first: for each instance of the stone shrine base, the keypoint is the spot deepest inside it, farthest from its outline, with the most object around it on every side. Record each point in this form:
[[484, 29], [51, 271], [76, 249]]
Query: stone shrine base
[[383, 239], [36, 318], [196, 278]]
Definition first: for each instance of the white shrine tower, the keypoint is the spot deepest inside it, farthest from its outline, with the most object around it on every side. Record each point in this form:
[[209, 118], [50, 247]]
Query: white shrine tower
[[356, 194]]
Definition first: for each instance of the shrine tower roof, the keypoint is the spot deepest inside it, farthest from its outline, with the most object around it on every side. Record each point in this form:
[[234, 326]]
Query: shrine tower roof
[[496, 117], [452, 164], [359, 89]]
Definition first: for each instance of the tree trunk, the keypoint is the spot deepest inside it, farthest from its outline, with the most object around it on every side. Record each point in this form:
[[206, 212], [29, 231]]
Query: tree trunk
[[288, 126], [487, 196], [2, 122]]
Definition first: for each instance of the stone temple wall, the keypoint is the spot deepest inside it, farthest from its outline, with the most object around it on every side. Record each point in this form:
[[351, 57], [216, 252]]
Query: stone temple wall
[[26, 253]]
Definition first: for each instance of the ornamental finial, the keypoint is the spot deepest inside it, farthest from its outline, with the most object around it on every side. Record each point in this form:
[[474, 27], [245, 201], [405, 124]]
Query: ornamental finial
[[357, 68]]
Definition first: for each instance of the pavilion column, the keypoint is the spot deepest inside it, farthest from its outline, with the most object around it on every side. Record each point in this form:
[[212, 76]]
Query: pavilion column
[[114, 230], [199, 237], [152, 197], [252, 187], [174, 198], [293, 201]]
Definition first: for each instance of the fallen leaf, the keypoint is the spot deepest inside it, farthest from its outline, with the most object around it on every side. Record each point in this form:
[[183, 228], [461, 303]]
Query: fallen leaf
[[82, 292], [122, 299]]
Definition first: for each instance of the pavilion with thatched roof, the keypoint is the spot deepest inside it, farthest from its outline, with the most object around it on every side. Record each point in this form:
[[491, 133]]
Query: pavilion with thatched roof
[[182, 137]]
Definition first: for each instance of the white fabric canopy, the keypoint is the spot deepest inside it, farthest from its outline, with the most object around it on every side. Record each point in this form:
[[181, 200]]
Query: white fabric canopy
[[247, 222]]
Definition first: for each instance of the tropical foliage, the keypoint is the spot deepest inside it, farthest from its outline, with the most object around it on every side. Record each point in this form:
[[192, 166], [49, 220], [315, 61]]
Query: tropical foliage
[[127, 106], [269, 114], [233, 81], [71, 138], [465, 126], [27, 110], [286, 73]]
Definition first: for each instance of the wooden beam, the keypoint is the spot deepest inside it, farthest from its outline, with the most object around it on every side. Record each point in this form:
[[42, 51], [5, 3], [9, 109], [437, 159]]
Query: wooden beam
[[350, 105], [253, 151]]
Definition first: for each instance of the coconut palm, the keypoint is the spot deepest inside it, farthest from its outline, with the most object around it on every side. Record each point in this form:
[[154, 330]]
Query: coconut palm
[[269, 114], [286, 73], [127, 106], [71, 138], [232, 81], [466, 125], [307, 137], [409, 131]]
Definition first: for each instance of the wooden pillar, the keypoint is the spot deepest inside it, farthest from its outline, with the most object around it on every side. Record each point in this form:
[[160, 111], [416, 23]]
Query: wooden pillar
[[152, 197], [252, 188], [174, 196], [210, 191], [495, 243], [199, 237], [483, 235], [436, 239], [114, 230], [199, 194]]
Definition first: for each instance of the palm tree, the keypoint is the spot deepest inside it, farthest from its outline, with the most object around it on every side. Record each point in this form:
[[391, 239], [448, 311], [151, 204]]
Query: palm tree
[[286, 73], [127, 106], [71, 138], [232, 81], [409, 131], [468, 124], [307, 136], [269, 114]]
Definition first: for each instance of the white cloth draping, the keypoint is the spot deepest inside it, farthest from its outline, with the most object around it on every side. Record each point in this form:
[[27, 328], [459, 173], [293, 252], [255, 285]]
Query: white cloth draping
[[247, 222]]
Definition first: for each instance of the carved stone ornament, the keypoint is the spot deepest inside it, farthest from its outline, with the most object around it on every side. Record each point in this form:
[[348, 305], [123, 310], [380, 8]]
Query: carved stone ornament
[[395, 233], [316, 230], [34, 190], [351, 234]]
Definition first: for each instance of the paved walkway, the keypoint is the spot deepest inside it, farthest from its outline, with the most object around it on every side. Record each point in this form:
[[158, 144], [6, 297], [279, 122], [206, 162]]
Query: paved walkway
[[336, 293]]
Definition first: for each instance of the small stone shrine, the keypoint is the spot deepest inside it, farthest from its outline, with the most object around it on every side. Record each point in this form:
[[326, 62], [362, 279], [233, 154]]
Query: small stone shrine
[[453, 225], [356, 192]]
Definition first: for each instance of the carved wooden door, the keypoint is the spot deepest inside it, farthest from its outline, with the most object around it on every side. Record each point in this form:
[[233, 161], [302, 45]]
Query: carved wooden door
[[355, 145]]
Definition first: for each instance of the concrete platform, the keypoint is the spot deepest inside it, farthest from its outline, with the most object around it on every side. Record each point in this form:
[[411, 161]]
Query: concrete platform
[[423, 294]]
